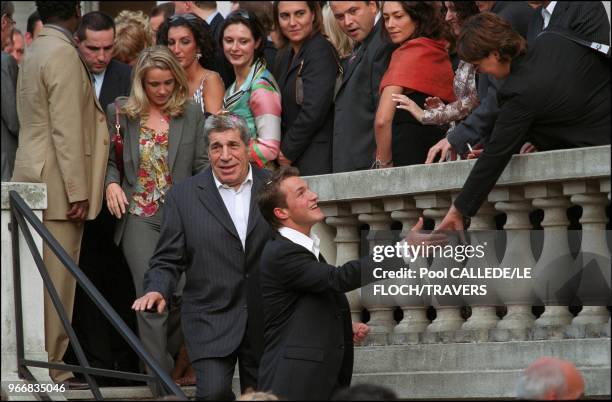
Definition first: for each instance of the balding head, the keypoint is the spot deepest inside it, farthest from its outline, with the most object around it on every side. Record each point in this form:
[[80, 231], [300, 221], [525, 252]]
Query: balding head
[[549, 378]]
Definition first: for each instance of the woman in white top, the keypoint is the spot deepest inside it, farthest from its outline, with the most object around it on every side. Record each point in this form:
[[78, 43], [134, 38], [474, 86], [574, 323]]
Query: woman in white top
[[189, 38]]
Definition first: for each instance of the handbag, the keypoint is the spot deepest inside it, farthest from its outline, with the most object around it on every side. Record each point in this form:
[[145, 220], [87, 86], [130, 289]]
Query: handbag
[[117, 141]]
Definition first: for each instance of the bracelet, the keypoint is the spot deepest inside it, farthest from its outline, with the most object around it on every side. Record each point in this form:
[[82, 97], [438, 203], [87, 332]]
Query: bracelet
[[378, 163]]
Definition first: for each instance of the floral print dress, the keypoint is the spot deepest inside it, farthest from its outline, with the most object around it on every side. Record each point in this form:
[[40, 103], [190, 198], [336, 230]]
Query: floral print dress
[[153, 175]]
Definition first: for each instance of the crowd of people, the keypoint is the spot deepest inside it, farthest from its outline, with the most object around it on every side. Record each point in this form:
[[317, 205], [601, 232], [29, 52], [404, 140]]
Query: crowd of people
[[156, 135]]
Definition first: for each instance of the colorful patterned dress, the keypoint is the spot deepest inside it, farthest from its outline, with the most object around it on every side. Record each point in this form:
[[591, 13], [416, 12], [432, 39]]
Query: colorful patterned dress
[[154, 178], [258, 101]]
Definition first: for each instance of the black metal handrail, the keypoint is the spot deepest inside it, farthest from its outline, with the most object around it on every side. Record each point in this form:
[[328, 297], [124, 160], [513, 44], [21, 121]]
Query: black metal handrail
[[20, 213]]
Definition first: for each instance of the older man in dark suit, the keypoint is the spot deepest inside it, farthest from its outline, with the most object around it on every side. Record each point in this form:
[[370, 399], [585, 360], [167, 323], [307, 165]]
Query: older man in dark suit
[[357, 97], [213, 230]]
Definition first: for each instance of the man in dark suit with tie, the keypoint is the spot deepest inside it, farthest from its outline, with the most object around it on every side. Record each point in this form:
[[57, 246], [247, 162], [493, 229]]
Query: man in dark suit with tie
[[213, 230], [357, 98], [308, 333], [100, 259]]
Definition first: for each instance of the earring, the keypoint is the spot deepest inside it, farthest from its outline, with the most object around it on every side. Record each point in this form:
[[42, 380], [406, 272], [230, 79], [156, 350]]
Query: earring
[[198, 56]]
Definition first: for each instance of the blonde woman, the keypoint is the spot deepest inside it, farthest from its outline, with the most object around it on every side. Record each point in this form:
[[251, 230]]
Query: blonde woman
[[132, 35], [162, 145]]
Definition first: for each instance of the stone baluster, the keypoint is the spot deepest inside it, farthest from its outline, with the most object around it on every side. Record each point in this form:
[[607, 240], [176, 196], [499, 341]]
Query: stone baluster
[[604, 187], [482, 232], [448, 310], [347, 246], [517, 295], [594, 257], [381, 321], [415, 318], [555, 267]]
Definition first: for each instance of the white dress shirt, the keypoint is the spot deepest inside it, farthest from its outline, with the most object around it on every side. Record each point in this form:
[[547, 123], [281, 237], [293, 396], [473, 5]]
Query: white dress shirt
[[212, 17], [547, 13], [238, 203], [97, 81], [311, 243]]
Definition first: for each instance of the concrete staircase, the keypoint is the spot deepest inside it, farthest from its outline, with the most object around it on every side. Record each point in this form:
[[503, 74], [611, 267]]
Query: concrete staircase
[[486, 370]]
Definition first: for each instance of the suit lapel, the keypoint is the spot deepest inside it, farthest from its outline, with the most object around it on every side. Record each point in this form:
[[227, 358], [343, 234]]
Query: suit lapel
[[210, 197], [253, 208], [351, 66], [175, 133], [133, 127], [295, 63]]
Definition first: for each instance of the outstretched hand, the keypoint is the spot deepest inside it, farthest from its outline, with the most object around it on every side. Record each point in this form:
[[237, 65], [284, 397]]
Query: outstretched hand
[[360, 331]]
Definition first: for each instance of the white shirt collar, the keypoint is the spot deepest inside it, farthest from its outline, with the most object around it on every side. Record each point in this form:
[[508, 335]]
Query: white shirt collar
[[211, 17], [311, 243], [98, 80], [248, 179], [547, 12]]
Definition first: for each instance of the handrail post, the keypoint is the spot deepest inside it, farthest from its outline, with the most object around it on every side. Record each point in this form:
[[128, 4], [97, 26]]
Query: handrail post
[[31, 289]]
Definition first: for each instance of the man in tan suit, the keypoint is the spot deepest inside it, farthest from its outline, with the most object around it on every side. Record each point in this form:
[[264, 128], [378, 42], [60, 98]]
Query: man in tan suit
[[63, 143]]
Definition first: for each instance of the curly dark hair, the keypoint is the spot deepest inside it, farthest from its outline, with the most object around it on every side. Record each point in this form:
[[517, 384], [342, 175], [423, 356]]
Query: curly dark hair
[[201, 34], [465, 9], [249, 20], [427, 18], [56, 10]]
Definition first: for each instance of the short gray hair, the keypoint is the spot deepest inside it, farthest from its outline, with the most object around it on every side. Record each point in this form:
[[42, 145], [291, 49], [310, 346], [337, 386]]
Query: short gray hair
[[536, 381], [8, 8], [224, 121]]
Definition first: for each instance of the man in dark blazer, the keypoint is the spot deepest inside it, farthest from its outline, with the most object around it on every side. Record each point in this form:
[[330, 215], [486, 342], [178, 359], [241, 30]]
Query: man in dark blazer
[[357, 98], [535, 107], [480, 122], [213, 230], [308, 333], [100, 259]]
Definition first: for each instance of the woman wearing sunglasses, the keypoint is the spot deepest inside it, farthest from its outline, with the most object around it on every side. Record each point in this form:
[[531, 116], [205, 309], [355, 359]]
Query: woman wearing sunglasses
[[254, 95], [188, 37]]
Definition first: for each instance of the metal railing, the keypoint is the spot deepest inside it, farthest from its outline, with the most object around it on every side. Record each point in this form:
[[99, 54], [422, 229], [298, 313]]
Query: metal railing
[[20, 213]]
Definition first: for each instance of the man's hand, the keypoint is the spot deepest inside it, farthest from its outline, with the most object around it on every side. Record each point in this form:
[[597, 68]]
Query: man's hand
[[416, 236], [360, 331], [148, 301], [452, 221], [444, 148], [78, 211], [528, 148], [116, 201], [282, 160]]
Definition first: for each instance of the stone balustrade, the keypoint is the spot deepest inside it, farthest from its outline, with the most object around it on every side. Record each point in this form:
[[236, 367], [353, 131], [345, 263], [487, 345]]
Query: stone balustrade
[[550, 181]]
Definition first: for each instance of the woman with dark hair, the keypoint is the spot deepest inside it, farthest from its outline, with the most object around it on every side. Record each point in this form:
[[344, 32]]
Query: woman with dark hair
[[306, 69], [536, 104], [419, 68], [436, 112], [189, 38], [254, 95]]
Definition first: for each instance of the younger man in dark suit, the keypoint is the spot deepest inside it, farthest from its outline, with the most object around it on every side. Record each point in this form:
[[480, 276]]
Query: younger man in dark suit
[[308, 334]]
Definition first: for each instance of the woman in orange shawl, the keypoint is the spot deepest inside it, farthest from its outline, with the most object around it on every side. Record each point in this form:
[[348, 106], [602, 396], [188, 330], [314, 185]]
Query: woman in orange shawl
[[419, 68]]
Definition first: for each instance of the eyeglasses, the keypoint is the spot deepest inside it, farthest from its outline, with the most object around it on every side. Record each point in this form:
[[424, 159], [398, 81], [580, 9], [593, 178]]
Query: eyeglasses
[[186, 17], [240, 13]]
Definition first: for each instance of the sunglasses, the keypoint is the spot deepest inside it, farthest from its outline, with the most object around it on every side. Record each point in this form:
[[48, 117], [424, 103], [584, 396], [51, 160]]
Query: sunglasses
[[186, 17], [240, 13]]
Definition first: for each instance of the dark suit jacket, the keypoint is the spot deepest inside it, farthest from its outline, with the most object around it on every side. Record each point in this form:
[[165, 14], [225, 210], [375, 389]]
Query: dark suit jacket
[[308, 332], [557, 96], [187, 153], [117, 82], [10, 122], [586, 19], [356, 103], [222, 288], [222, 66], [307, 129], [480, 122]]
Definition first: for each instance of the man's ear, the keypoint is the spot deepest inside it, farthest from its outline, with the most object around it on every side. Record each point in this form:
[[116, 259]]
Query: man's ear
[[497, 55], [281, 213]]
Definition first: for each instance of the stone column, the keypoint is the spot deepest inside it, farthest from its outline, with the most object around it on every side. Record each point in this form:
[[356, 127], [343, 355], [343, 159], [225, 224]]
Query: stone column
[[415, 319], [381, 314], [594, 257], [555, 267], [347, 246], [517, 295], [482, 232], [32, 304], [448, 312]]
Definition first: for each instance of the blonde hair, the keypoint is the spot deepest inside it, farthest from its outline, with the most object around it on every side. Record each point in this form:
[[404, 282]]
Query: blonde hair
[[132, 35], [343, 44], [160, 57]]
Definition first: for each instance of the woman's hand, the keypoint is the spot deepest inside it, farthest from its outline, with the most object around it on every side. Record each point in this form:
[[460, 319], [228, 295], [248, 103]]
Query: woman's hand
[[116, 201], [404, 102]]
